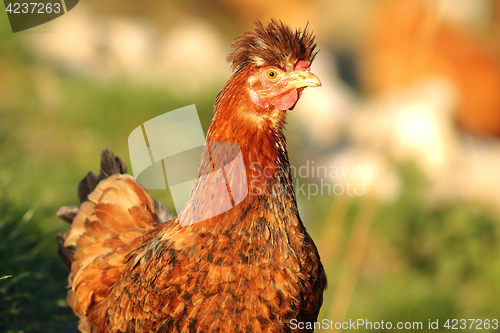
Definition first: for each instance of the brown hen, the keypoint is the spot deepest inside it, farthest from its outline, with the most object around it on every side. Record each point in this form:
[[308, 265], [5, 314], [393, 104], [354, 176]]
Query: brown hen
[[253, 268]]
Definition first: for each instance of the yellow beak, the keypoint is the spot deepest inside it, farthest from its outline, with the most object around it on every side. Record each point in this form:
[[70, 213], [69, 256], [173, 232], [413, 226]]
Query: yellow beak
[[301, 79]]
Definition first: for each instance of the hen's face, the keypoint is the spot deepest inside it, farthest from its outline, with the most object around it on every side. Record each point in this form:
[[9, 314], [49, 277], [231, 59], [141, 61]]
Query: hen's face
[[272, 86]]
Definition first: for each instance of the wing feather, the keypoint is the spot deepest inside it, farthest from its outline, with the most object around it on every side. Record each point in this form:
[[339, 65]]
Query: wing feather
[[117, 218]]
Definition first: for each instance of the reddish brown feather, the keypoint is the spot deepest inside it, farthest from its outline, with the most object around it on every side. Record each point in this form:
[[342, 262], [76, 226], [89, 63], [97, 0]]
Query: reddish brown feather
[[251, 268], [274, 44]]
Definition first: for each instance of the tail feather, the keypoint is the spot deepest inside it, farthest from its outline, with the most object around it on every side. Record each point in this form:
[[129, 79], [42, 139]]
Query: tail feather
[[118, 217], [110, 165], [66, 254], [87, 185], [67, 213], [115, 217]]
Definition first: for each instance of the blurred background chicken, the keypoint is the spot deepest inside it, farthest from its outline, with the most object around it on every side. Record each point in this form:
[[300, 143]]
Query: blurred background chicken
[[409, 91], [417, 41]]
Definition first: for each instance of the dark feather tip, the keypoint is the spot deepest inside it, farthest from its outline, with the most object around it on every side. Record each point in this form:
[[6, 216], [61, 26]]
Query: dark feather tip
[[87, 185], [273, 44], [110, 164], [66, 254], [67, 213]]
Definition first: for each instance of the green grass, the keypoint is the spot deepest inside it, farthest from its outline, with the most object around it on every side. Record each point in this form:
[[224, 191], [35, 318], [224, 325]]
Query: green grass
[[33, 290]]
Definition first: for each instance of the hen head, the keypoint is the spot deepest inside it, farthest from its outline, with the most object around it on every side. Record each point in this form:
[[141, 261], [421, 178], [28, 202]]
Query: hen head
[[276, 61]]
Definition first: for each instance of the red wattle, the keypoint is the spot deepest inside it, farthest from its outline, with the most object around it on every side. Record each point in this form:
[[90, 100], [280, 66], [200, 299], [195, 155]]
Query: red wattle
[[287, 101]]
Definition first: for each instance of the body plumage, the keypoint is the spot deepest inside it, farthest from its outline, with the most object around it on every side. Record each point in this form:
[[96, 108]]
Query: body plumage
[[253, 268]]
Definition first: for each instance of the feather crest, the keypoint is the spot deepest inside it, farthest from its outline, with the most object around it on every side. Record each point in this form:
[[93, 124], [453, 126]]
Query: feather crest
[[275, 45]]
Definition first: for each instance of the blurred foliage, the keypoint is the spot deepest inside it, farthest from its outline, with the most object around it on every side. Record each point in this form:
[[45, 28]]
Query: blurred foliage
[[424, 261]]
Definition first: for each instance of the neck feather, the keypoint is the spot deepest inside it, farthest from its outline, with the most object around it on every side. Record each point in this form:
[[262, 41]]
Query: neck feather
[[258, 132]]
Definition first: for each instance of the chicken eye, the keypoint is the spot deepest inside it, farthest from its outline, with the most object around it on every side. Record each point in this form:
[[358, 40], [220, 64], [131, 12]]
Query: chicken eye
[[272, 74]]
